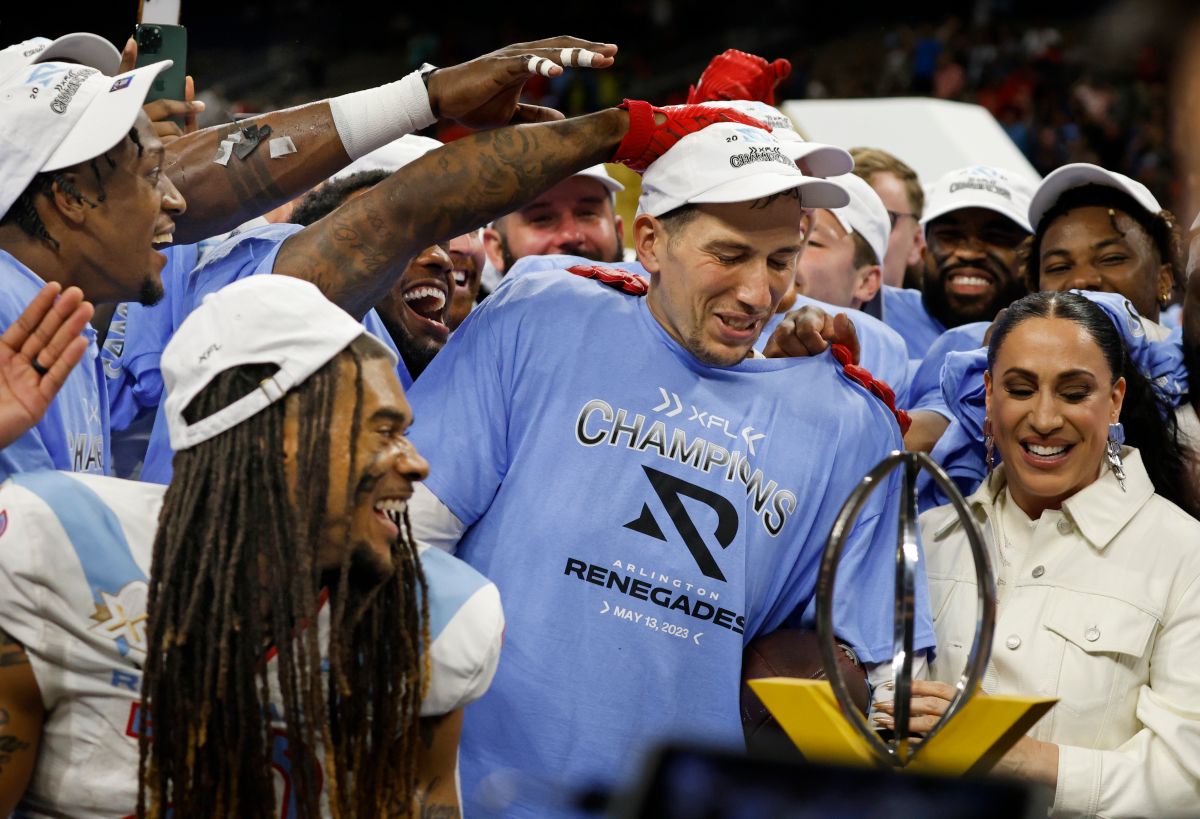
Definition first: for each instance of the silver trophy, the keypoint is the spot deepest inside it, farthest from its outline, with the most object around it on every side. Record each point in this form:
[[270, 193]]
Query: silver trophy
[[900, 751]]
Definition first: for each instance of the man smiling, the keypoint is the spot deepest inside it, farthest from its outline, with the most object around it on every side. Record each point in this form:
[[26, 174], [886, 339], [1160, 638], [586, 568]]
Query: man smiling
[[663, 490], [975, 219]]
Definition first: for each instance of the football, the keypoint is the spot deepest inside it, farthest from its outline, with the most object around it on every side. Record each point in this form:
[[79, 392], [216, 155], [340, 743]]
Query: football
[[789, 653]]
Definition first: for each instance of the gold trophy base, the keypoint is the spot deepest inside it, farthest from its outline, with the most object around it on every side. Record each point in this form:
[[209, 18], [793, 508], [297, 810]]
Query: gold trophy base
[[971, 743]]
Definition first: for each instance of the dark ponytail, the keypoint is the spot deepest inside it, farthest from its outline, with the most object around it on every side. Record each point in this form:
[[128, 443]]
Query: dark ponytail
[[1148, 417]]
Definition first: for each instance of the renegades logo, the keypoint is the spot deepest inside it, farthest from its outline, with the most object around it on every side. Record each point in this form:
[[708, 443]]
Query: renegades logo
[[671, 491]]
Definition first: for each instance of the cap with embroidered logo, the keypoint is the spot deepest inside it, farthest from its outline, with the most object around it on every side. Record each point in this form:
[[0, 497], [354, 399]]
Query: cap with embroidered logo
[[819, 159], [258, 320], [729, 162], [980, 186], [55, 115]]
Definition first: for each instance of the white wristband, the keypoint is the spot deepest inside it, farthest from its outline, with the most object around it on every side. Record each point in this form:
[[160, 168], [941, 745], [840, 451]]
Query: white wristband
[[370, 119]]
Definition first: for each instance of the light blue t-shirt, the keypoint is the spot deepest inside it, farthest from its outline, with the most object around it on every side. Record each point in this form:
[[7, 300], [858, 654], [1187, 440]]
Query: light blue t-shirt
[[245, 254], [644, 517], [926, 390], [73, 434], [882, 351], [904, 311]]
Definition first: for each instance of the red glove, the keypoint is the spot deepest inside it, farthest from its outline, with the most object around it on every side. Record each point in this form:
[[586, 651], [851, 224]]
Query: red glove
[[878, 388], [736, 75], [615, 277], [646, 141]]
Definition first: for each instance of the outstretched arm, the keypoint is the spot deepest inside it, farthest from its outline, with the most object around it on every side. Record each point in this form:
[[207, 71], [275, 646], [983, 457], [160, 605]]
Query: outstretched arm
[[356, 253], [482, 93], [21, 719]]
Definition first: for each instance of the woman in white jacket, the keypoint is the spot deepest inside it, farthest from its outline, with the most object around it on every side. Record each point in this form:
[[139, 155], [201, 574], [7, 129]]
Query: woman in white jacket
[[1097, 574]]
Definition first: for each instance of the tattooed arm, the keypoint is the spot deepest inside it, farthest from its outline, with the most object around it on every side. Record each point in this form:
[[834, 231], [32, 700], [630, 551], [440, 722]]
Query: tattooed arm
[[436, 796], [357, 252], [21, 718], [481, 93]]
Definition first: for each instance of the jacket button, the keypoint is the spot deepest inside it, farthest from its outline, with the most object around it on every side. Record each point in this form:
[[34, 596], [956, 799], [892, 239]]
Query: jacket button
[[1013, 642], [1092, 634], [1038, 571], [1064, 526]]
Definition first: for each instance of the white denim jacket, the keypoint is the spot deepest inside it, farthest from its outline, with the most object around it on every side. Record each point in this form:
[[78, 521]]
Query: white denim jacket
[[1102, 611]]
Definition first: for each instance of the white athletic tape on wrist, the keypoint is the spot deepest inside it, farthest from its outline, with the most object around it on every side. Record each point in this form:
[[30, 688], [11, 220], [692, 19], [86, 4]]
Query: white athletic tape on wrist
[[370, 119], [539, 65]]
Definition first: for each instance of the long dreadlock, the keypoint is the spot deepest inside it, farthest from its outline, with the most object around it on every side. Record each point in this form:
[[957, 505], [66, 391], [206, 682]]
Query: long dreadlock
[[234, 572]]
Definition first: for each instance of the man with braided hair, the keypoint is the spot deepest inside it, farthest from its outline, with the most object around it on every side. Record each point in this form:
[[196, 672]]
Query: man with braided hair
[[295, 654]]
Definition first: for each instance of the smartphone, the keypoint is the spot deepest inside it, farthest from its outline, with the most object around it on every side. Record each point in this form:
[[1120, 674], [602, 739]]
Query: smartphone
[[157, 42]]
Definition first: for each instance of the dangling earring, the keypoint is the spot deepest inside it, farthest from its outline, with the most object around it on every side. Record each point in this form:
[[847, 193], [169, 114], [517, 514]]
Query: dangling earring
[[1112, 452], [989, 444]]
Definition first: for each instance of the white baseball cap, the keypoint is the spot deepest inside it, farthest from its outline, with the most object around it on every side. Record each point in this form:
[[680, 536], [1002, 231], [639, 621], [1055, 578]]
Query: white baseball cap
[[55, 115], [600, 174], [865, 215], [822, 160], [268, 319], [729, 162], [390, 157], [980, 186], [1078, 174], [86, 49]]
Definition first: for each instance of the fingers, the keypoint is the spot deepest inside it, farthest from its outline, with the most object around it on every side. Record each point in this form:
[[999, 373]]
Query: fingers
[[31, 317], [799, 335], [128, 56], [40, 345], [844, 333], [65, 350], [535, 113], [160, 110], [606, 49], [189, 97], [542, 65], [933, 688], [167, 131]]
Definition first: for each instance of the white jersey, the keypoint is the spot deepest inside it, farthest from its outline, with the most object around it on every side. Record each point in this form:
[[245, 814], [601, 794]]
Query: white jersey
[[74, 564]]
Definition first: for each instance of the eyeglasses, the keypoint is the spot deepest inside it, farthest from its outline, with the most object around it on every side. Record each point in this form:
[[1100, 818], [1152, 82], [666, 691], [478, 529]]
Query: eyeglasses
[[895, 217]]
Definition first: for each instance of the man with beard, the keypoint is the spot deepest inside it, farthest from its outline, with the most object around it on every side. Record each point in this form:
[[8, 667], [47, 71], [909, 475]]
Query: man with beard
[[577, 217], [301, 656], [975, 219]]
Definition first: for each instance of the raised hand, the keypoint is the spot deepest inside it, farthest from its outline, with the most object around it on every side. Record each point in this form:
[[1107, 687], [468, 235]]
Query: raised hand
[[486, 91], [809, 331], [737, 75], [653, 130], [37, 352], [161, 112]]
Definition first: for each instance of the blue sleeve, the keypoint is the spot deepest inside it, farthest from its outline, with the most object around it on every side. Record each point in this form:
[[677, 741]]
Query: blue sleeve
[[460, 410], [865, 590], [926, 393], [135, 340]]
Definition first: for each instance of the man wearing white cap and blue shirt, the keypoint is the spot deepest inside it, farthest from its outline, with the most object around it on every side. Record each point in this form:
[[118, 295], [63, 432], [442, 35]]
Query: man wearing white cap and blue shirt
[[666, 493], [80, 554], [975, 219], [82, 202]]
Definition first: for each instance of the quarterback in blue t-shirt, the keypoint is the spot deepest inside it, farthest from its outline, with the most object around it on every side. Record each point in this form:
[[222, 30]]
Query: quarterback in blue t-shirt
[[648, 493]]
